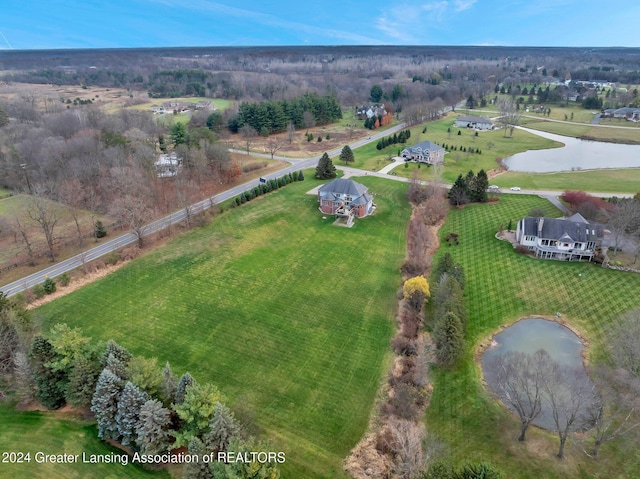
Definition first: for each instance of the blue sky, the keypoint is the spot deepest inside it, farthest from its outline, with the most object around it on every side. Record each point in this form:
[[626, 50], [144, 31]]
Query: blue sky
[[44, 24]]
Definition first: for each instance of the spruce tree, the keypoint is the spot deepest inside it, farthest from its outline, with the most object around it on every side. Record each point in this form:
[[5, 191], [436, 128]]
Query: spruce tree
[[197, 469], [449, 339], [105, 404], [185, 381], [82, 381], [152, 431], [169, 384], [223, 428], [346, 155], [300, 176], [119, 352], [325, 169], [49, 382], [128, 413]]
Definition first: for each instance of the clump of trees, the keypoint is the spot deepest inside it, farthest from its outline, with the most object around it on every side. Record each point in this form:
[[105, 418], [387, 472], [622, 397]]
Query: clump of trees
[[270, 116], [135, 402], [269, 186], [394, 139], [469, 189]]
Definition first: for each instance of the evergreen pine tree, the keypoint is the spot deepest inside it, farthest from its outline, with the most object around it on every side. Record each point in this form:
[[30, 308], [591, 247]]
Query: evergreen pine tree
[[449, 338], [117, 367], [105, 404], [119, 352], [197, 469], [185, 381], [346, 155], [300, 176], [128, 413], [169, 384], [152, 431], [49, 391], [82, 381], [325, 169], [223, 428]]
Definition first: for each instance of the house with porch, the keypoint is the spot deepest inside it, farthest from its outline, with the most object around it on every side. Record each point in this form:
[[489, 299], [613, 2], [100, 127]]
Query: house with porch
[[475, 122], [345, 197], [424, 152], [567, 239]]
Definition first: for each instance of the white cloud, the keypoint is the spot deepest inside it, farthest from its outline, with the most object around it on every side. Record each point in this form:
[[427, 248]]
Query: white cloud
[[462, 5]]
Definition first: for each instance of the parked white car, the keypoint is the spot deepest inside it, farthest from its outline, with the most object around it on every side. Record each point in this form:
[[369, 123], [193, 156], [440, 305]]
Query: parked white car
[[494, 187], [515, 188]]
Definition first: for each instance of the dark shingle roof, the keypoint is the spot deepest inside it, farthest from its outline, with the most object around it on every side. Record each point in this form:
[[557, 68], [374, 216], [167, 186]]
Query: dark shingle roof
[[575, 228], [343, 187]]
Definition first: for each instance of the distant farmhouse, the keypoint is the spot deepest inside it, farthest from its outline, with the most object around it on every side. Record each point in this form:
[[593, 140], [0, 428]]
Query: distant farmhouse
[[568, 239], [182, 106], [370, 111], [345, 198], [424, 152], [477, 122], [167, 165], [630, 114]]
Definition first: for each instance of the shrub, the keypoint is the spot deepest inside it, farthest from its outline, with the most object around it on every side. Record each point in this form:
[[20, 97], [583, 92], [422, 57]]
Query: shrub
[[38, 291], [98, 229], [64, 279]]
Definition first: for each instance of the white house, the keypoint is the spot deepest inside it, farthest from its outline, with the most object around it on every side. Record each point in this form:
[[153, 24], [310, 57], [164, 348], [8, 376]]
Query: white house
[[167, 165], [568, 239], [477, 122]]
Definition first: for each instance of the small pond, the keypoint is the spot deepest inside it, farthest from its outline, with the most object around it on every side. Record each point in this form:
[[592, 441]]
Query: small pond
[[529, 335], [575, 155]]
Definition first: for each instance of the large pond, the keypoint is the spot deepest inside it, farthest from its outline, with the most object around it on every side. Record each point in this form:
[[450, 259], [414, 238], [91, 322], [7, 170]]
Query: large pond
[[575, 155], [529, 335]]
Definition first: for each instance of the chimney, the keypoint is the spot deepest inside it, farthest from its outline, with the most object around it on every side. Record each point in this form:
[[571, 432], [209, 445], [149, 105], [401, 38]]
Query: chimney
[[540, 223]]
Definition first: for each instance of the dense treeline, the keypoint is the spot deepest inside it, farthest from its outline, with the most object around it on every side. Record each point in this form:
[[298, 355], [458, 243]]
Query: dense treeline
[[394, 139], [274, 116]]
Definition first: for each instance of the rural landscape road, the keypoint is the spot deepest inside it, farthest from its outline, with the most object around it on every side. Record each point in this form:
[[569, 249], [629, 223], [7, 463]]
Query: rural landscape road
[[177, 217]]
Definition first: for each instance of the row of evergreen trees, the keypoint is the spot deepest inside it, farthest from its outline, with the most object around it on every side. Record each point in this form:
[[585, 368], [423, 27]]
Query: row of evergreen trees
[[394, 139], [268, 186], [469, 189], [461, 148], [275, 116], [135, 403], [448, 311]]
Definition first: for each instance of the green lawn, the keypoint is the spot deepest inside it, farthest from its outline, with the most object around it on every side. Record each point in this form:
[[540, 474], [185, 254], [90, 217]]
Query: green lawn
[[503, 286], [57, 433], [597, 181], [289, 315], [492, 145]]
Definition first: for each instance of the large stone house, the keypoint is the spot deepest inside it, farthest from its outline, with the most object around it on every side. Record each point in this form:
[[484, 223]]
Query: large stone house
[[568, 239], [344, 197], [477, 122], [167, 165], [424, 152]]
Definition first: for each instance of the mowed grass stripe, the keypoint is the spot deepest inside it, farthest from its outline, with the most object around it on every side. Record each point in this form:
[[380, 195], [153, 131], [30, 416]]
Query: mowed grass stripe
[[503, 286], [289, 315]]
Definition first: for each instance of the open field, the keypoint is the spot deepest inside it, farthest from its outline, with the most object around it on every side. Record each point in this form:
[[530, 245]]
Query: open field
[[289, 315], [58, 433], [503, 286]]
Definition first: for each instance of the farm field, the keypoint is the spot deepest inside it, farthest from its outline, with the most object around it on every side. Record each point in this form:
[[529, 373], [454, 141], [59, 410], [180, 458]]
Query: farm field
[[616, 135], [287, 314], [59, 433], [503, 286]]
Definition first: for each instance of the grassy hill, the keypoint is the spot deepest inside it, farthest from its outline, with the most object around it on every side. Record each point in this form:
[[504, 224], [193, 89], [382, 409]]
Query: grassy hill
[[289, 315]]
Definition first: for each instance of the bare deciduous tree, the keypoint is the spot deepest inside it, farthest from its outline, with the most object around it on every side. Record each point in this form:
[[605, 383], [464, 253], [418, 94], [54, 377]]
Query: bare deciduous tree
[[519, 380], [44, 214], [248, 133], [623, 219], [624, 345], [132, 211], [509, 115], [568, 392], [291, 131], [21, 228], [404, 439], [613, 410], [273, 145]]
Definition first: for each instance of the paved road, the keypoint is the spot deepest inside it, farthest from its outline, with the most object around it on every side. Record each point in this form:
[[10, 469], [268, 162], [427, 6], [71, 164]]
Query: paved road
[[179, 216]]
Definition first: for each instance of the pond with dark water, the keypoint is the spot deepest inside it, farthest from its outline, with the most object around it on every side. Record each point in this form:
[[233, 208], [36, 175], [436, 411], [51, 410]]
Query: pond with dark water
[[528, 336]]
